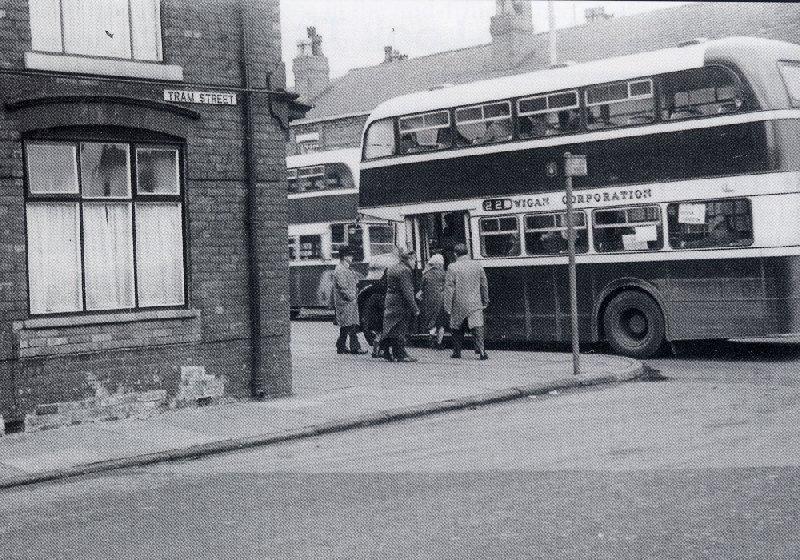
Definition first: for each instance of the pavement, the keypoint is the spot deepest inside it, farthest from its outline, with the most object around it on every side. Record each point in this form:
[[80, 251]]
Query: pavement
[[331, 393]]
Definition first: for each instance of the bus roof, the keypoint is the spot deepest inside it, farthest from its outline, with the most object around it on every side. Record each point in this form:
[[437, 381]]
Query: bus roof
[[350, 156], [587, 73]]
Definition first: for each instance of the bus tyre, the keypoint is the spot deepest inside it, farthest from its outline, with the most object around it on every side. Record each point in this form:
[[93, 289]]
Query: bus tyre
[[634, 325]]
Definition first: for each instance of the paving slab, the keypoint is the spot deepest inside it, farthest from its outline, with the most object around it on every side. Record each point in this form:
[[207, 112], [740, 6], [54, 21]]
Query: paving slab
[[330, 393]]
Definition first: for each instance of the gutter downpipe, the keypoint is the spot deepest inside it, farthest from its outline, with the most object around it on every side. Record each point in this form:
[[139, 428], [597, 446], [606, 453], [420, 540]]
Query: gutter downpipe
[[251, 218]]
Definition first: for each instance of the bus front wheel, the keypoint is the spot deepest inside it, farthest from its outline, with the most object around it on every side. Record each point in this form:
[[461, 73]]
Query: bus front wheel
[[634, 325]]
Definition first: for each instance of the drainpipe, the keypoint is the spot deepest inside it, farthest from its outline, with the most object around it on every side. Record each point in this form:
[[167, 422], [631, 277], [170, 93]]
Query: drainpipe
[[257, 383]]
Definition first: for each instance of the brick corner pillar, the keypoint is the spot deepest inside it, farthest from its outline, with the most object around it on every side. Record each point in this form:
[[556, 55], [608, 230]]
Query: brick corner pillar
[[266, 127]]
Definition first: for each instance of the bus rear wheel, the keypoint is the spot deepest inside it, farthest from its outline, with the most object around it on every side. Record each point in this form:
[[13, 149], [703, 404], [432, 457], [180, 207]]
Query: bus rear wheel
[[634, 325]]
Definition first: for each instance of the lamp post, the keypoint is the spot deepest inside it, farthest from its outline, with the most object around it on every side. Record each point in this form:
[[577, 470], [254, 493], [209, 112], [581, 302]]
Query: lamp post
[[574, 166]]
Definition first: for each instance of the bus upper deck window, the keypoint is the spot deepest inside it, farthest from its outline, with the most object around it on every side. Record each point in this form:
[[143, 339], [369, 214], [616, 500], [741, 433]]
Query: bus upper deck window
[[790, 72], [710, 223], [700, 92], [637, 228], [547, 115], [484, 124], [546, 234], [425, 133], [380, 140], [338, 176], [500, 237], [620, 104], [310, 178]]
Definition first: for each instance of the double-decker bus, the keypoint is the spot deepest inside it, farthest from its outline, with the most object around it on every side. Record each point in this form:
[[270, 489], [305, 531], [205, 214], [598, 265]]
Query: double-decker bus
[[687, 225], [323, 200]]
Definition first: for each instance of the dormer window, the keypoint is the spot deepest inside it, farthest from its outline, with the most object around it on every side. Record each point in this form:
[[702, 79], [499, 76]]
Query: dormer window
[[124, 29]]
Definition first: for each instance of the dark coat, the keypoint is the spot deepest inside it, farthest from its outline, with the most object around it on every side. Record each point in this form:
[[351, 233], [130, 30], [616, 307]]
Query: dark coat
[[401, 306], [432, 299], [345, 294]]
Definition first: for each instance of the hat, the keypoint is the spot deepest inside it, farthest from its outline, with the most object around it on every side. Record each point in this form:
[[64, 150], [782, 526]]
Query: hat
[[436, 259]]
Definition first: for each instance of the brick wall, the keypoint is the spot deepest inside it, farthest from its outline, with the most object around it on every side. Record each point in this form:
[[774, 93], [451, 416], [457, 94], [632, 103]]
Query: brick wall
[[136, 351]]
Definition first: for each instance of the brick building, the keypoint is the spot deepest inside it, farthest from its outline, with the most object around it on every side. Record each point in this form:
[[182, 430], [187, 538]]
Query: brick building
[[340, 107], [142, 205]]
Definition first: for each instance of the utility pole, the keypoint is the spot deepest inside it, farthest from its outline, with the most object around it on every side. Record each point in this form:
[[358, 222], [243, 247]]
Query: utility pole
[[551, 16], [574, 166]]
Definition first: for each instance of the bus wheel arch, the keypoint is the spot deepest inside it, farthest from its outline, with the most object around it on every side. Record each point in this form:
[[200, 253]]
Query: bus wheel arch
[[630, 317]]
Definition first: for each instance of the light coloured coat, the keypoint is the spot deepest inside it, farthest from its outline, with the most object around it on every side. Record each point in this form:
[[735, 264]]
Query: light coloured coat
[[466, 290], [345, 296]]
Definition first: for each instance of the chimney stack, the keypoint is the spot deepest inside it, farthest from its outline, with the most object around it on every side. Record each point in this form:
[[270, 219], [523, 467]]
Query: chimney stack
[[512, 30], [390, 54], [310, 67]]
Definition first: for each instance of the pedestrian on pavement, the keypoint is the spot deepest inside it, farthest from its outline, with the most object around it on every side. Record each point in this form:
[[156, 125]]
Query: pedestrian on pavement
[[466, 295], [433, 317], [401, 307], [345, 301], [373, 311]]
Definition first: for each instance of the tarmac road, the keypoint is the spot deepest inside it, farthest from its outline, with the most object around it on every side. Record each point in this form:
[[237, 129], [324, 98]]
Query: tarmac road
[[702, 465]]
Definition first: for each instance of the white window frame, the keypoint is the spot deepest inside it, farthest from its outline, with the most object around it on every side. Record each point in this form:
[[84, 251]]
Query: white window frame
[[132, 200], [59, 20], [482, 234], [425, 125], [549, 109], [484, 118], [629, 97]]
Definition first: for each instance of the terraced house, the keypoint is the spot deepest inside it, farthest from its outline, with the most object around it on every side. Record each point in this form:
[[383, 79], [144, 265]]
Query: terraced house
[[142, 206]]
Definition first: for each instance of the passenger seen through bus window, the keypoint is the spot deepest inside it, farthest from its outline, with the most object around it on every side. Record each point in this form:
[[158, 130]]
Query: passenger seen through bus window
[[719, 223]]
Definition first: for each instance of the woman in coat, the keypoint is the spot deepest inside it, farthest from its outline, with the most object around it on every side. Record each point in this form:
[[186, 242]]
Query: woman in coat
[[433, 317], [345, 302], [401, 308]]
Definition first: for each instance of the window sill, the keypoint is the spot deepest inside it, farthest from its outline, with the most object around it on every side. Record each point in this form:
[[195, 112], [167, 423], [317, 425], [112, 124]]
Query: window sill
[[103, 66], [107, 318], [81, 334]]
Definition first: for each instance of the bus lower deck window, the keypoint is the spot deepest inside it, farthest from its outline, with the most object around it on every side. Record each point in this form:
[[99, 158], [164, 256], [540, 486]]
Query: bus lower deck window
[[292, 248], [310, 247], [546, 234], [500, 237], [637, 228], [710, 223], [381, 239]]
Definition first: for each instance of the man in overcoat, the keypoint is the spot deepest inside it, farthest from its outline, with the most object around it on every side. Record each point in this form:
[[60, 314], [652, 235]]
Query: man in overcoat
[[345, 301], [466, 295], [401, 308]]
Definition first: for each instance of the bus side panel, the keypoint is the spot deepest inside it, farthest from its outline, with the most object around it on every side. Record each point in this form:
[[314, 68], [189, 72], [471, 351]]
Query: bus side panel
[[782, 289], [506, 315], [310, 286], [717, 298]]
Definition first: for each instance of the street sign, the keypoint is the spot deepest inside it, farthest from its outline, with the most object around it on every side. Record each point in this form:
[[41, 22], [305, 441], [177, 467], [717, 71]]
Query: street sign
[[201, 97], [575, 166]]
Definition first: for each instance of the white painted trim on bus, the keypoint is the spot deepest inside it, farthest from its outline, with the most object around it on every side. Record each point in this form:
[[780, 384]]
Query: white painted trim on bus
[[314, 228], [641, 256], [673, 191], [315, 194], [564, 139], [315, 262], [307, 137], [596, 72], [349, 156], [303, 122]]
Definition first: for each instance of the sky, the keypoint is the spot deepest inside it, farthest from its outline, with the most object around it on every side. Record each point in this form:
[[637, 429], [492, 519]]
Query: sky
[[354, 32]]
